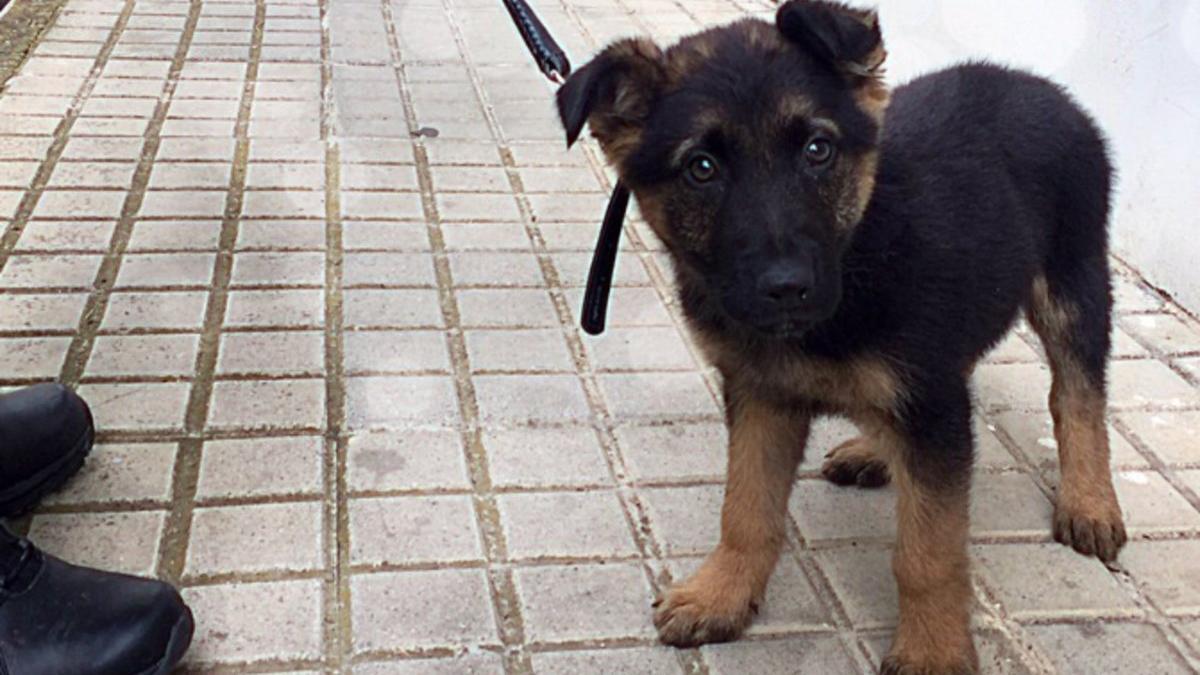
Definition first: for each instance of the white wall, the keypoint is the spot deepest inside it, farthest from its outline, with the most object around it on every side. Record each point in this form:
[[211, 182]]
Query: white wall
[[1135, 64]]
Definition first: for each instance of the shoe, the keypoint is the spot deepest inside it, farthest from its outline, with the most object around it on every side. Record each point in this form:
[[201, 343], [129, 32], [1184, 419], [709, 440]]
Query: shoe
[[46, 432], [59, 619]]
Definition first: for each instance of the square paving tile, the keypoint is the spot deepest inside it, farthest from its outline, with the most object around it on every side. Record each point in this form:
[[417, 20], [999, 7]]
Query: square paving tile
[[530, 399], [129, 355], [121, 472], [1066, 582], [229, 626], [268, 404], [116, 542], [411, 530], [401, 402], [1108, 648], [408, 460], [421, 609], [585, 524], [584, 602], [255, 538], [261, 467]]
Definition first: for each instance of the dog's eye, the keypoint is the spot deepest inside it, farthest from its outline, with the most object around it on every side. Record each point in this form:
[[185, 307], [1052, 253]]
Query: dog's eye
[[702, 168], [818, 152]]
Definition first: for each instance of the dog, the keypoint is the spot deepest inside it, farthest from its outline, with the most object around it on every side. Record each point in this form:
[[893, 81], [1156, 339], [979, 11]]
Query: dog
[[844, 249]]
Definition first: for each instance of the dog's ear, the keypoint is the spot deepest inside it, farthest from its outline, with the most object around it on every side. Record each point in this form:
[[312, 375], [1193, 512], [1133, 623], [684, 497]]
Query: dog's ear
[[845, 38], [614, 92]]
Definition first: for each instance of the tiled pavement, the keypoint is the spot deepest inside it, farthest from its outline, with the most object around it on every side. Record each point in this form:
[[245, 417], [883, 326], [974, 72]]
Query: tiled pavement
[[316, 266]]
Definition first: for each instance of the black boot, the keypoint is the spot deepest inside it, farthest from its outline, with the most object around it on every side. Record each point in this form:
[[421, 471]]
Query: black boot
[[45, 433], [59, 619]]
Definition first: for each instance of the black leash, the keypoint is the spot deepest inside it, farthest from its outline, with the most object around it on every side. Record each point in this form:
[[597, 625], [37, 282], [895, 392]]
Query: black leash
[[553, 63]]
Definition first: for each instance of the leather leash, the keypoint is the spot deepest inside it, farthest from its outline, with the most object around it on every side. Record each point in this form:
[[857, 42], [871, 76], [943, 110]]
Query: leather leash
[[553, 63]]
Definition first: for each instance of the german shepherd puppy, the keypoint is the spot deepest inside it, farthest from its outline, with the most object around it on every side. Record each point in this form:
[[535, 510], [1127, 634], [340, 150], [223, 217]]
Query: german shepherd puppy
[[843, 249]]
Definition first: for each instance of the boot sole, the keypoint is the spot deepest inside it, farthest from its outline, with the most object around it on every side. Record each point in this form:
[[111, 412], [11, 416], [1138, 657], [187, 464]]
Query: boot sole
[[177, 645], [22, 497]]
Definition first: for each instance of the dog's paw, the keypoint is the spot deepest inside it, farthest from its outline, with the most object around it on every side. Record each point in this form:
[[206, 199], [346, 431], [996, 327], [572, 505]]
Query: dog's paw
[[856, 462], [696, 612], [898, 665], [1092, 526]]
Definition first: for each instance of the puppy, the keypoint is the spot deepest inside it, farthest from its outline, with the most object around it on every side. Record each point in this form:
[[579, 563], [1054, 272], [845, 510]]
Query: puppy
[[843, 249]]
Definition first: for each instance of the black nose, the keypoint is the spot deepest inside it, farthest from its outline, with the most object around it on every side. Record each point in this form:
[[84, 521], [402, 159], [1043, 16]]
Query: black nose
[[786, 284]]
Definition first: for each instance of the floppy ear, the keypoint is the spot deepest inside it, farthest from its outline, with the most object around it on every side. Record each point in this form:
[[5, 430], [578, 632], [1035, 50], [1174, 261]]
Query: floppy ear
[[847, 39], [614, 93]]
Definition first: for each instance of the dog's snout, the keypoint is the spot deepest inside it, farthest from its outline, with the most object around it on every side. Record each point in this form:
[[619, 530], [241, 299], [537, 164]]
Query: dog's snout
[[786, 284]]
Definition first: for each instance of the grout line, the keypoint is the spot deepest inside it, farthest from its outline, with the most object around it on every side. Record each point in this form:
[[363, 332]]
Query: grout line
[[177, 530], [505, 602], [337, 601]]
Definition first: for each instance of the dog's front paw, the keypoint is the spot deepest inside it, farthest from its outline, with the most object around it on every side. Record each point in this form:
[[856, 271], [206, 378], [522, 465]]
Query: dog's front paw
[[1091, 525], [895, 664], [859, 462], [705, 608]]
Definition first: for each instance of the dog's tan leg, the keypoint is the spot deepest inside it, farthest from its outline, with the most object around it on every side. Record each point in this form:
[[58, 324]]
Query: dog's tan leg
[[765, 445], [931, 567], [1087, 516]]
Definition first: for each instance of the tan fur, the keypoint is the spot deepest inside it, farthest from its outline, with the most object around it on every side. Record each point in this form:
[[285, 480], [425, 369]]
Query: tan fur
[[618, 126], [717, 602], [1087, 516], [931, 567], [863, 460]]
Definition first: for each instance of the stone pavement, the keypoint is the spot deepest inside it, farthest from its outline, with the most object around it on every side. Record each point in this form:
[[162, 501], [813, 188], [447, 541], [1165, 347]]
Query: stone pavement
[[316, 264]]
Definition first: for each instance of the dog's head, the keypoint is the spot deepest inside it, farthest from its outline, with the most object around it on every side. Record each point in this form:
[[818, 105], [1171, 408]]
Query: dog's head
[[751, 149]]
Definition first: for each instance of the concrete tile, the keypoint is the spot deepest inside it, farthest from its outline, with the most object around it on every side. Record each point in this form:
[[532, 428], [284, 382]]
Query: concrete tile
[[659, 659], [297, 176], [495, 269], [121, 472], [413, 530], [396, 352], [506, 308], [656, 395], [686, 520], [159, 235], [801, 654], [477, 207], [483, 663], [268, 404], [545, 457], [470, 178], [375, 205], [137, 407], [573, 269], [1020, 386], [255, 538], [230, 629], [1065, 582], [825, 511], [393, 308], [413, 610], [585, 524], [33, 357], [385, 236], [175, 175], [1147, 383], [389, 269], [518, 350], [584, 602], [272, 353], [1167, 571], [1107, 648], [116, 542], [406, 461], [863, 581], [422, 402], [1150, 504], [485, 237], [292, 308], [996, 654], [101, 204], [278, 269], [28, 271], [639, 348], [1169, 435], [41, 311], [275, 234], [530, 399], [674, 452], [184, 204], [379, 177], [55, 235], [166, 270], [261, 467], [1008, 504], [1164, 332], [145, 355]]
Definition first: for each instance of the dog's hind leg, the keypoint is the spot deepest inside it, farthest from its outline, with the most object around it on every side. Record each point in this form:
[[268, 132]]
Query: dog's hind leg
[[859, 461], [1070, 308]]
